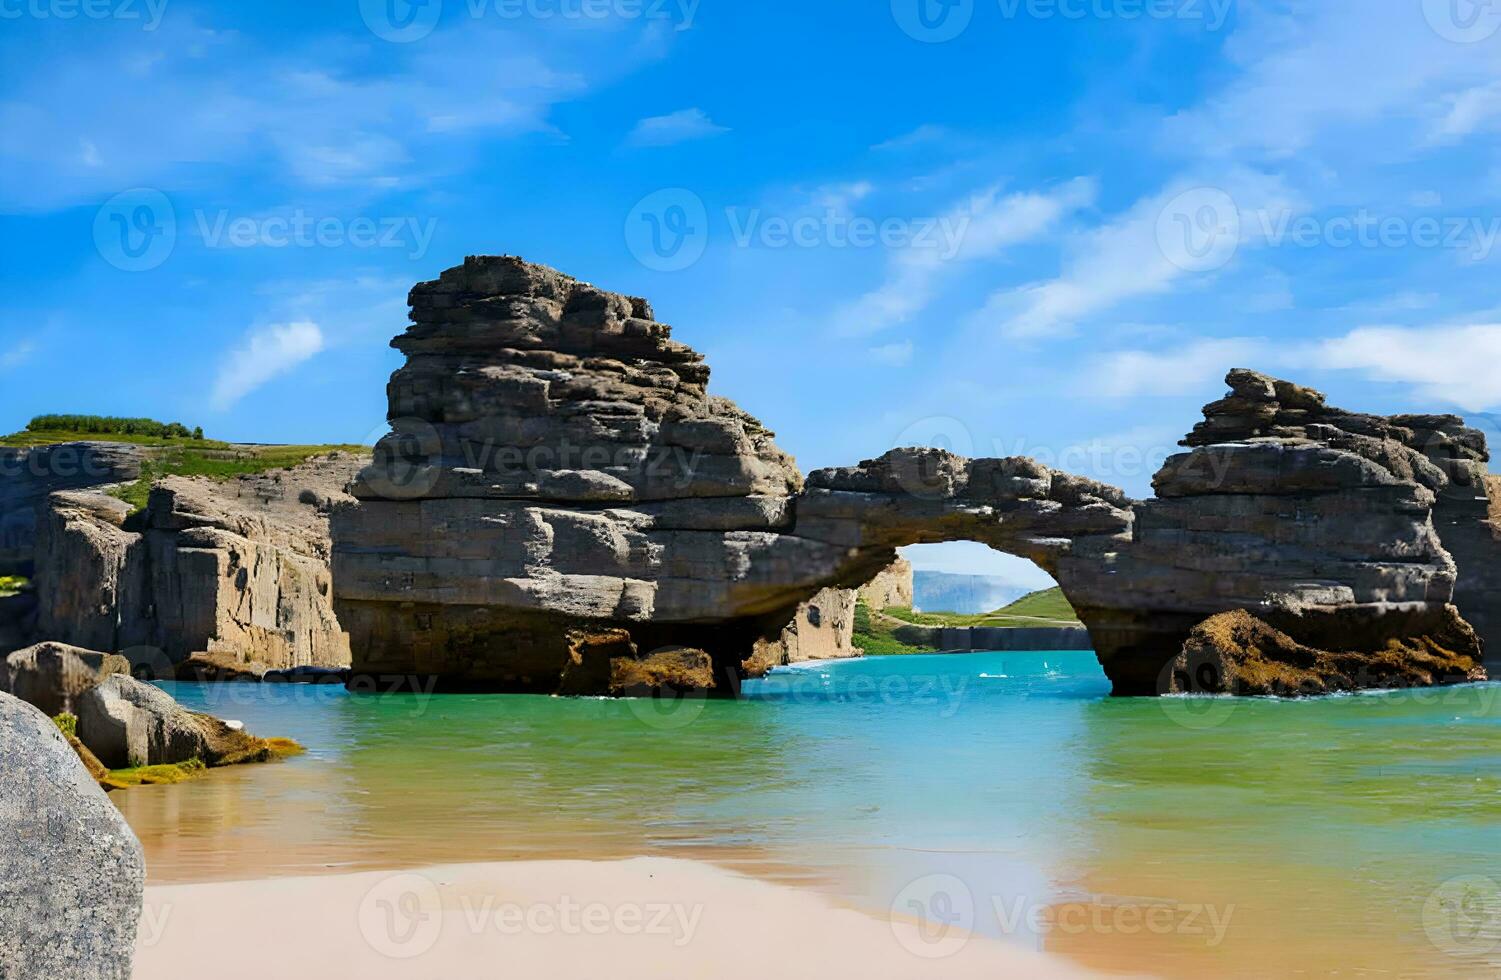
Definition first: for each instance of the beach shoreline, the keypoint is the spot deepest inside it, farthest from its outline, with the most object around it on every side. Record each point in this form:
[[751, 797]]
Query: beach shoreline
[[647, 917]]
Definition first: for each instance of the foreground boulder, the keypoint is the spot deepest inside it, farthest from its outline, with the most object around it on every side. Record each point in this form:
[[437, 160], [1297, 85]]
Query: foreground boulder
[[53, 677], [557, 468], [127, 724], [72, 875]]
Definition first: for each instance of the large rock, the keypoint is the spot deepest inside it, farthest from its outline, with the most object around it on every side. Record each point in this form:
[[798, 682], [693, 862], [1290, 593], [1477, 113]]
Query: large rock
[[29, 476], [236, 570], [72, 876], [54, 676], [1237, 653], [557, 468], [127, 723]]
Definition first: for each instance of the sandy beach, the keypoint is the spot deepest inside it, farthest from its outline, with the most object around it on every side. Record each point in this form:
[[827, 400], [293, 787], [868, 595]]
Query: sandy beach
[[643, 917]]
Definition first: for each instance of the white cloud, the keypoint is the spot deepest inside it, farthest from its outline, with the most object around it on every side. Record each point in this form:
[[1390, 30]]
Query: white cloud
[[1181, 370], [675, 127], [241, 105], [973, 230], [17, 354], [892, 355], [839, 197], [1127, 258], [1451, 364], [266, 353], [926, 133], [1468, 111]]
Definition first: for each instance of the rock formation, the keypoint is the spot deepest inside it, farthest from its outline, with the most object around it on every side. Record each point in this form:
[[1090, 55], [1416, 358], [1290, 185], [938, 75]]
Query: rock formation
[[29, 476], [891, 588], [557, 468], [72, 876], [127, 723], [54, 676], [823, 628], [1321, 522], [555, 460], [237, 571]]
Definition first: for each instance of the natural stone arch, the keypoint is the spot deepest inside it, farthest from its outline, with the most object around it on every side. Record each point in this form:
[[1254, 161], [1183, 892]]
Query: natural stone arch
[[575, 479]]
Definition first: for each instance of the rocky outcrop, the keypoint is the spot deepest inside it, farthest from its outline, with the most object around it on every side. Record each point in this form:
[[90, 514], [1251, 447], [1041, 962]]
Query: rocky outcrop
[[892, 587], [72, 876], [555, 460], [127, 723], [1236, 653], [235, 570], [29, 476], [557, 467], [1319, 521], [54, 676]]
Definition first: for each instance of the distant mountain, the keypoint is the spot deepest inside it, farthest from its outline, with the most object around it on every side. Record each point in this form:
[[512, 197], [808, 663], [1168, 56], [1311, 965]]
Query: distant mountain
[[949, 592]]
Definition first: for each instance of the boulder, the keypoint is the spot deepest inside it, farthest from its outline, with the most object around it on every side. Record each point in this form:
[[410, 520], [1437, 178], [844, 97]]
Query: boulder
[[1238, 653], [669, 669], [72, 875], [128, 723], [54, 676]]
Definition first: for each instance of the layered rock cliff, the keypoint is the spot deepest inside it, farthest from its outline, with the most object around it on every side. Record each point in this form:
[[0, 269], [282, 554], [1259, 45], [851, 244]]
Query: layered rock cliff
[[237, 570], [556, 463]]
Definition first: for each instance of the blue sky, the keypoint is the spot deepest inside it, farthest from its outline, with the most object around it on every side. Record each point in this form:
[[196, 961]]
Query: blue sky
[[1042, 227]]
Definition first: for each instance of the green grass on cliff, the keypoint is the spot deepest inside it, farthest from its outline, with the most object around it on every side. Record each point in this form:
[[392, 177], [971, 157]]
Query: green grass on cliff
[[220, 464], [874, 636], [1046, 607]]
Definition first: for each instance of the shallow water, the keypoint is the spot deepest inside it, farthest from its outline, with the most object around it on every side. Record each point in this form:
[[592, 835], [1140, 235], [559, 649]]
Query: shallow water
[[1004, 792]]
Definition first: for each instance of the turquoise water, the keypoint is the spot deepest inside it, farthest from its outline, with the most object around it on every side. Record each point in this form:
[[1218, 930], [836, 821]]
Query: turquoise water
[[1252, 837]]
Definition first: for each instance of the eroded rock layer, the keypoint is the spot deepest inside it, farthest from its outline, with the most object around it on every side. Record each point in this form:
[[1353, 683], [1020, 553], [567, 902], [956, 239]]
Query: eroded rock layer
[[556, 465], [235, 570]]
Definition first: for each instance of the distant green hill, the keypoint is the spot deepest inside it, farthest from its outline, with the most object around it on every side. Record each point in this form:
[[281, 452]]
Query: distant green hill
[[1045, 607]]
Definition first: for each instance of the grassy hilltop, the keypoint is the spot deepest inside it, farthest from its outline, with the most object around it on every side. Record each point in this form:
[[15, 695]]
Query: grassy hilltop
[[173, 449], [875, 630]]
